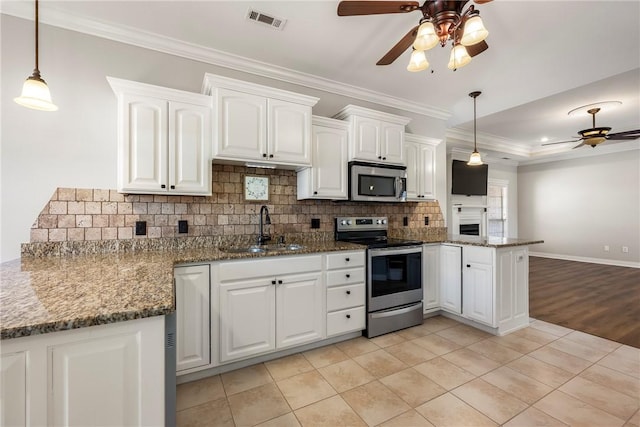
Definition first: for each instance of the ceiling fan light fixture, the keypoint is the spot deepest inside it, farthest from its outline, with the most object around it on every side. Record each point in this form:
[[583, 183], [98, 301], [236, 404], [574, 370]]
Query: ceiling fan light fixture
[[418, 61], [459, 57], [427, 37], [474, 31]]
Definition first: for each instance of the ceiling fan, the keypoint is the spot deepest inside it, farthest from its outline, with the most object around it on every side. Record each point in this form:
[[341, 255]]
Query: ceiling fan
[[441, 22], [598, 135]]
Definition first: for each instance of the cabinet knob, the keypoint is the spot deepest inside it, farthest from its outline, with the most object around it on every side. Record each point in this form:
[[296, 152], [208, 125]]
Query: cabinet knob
[[348, 292], [270, 156], [315, 192], [348, 275], [379, 157], [346, 259], [384, 158], [348, 316], [273, 282], [264, 154], [173, 187], [468, 265], [279, 282], [163, 186]]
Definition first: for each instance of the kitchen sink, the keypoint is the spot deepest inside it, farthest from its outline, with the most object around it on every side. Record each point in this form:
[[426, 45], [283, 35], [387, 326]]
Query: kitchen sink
[[263, 248]]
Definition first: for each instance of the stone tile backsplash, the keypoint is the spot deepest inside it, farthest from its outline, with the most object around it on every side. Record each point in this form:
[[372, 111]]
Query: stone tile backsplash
[[76, 214]]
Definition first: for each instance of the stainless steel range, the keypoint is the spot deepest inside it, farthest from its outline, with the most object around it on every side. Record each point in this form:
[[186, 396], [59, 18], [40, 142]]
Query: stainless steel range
[[394, 274]]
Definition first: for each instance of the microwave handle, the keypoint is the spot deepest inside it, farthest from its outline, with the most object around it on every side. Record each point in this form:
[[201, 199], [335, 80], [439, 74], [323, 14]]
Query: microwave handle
[[398, 187]]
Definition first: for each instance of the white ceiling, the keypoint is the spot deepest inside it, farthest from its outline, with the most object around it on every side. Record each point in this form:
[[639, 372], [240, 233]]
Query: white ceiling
[[545, 58]]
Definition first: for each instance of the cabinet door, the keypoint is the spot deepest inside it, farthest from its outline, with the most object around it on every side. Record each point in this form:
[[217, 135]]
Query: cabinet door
[[512, 288], [301, 313], [366, 141], [329, 171], [427, 172], [143, 149], [412, 156], [241, 127], [98, 381], [189, 143], [192, 316], [13, 389], [391, 142], [289, 132], [247, 318], [477, 284], [431, 271], [451, 278]]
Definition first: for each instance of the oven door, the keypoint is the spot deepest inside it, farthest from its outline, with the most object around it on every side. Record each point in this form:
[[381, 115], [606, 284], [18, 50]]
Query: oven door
[[394, 277]]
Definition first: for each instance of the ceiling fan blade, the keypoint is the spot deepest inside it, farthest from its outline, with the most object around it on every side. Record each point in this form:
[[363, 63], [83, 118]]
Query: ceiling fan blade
[[477, 49], [399, 48], [578, 146], [560, 142], [372, 7], [482, 1], [626, 135]]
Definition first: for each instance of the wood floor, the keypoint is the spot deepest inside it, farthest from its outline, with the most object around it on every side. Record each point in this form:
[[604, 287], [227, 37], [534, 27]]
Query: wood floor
[[597, 299]]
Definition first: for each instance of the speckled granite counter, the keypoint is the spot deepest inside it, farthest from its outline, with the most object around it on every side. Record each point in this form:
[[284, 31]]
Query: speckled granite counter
[[492, 242], [47, 294]]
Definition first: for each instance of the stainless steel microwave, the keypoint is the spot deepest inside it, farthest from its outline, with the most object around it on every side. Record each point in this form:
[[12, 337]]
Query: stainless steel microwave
[[374, 182]]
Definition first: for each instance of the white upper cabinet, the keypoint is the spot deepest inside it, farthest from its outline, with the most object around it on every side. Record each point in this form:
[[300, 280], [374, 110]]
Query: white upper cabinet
[[256, 123], [420, 156], [164, 139], [374, 136], [327, 177]]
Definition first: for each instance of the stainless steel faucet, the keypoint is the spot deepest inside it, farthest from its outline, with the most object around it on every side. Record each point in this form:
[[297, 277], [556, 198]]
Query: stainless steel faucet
[[262, 238]]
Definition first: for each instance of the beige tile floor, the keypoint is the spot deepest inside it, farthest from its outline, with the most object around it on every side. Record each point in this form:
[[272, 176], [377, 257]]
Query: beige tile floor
[[441, 373]]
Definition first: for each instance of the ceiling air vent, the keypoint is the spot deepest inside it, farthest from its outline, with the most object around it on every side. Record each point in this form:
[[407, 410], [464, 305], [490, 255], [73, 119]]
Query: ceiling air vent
[[263, 18]]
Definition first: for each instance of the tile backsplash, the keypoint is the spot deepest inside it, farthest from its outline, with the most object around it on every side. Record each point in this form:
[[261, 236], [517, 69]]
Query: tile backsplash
[[76, 214]]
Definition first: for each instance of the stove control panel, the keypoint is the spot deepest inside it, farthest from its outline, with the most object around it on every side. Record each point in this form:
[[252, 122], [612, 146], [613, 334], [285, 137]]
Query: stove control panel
[[361, 223]]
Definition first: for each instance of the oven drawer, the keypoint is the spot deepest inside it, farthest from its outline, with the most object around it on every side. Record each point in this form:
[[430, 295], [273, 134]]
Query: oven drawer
[[345, 296], [345, 260], [343, 321], [345, 277]]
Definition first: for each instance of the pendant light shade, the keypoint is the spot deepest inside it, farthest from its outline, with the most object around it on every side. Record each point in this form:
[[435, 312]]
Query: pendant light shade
[[459, 57], [474, 31], [418, 61], [35, 92], [474, 159], [427, 37]]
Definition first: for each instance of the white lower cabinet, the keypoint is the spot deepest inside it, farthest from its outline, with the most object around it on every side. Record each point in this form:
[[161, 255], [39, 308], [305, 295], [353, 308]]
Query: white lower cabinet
[[346, 292], [269, 304], [477, 284], [101, 375], [193, 316], [431, 277], [451, 278]]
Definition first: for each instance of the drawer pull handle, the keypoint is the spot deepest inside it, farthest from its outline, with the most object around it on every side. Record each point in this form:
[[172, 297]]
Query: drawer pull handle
[[348, 275], [348, 316], [348, 292]]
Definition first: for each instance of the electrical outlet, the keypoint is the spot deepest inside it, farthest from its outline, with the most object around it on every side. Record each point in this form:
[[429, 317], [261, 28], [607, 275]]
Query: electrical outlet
[[405, 221], [183, 226], [426, 220], [141, 228], [625, 249], [315, 222], [606, 248]]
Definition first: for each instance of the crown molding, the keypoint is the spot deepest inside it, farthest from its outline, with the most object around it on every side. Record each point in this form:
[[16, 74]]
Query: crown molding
[[490, 142], [172, 46]]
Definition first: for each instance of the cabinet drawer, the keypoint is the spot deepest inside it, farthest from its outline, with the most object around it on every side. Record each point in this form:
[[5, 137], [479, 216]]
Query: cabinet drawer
[[345, 296], [268, 266], [345, 277], [345, 259], [478, 255], [340, 322]]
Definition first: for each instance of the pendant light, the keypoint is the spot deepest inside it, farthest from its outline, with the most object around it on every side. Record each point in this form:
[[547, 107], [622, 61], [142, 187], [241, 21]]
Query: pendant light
[[475, 158], [35, 92]]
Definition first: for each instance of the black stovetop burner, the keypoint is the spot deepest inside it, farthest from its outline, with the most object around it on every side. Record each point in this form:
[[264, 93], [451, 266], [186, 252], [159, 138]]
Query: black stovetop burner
[[368, 231]]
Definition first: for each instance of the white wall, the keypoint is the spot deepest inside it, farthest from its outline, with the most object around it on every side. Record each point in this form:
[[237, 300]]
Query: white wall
[[76, 146], [578, 206]]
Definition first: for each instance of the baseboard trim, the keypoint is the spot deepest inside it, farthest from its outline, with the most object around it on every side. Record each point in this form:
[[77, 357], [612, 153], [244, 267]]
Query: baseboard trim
[[615, 262]]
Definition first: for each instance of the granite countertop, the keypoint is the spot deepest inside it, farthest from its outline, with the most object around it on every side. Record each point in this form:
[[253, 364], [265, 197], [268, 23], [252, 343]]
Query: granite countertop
[[492, 242], [47, 294]]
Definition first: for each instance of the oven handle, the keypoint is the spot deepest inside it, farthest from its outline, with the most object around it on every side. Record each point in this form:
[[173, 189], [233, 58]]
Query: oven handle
[[395, 251], [395, 312]]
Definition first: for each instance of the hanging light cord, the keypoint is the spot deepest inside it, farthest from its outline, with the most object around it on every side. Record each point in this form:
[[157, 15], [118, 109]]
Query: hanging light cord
[[36, 71], [474, 124]]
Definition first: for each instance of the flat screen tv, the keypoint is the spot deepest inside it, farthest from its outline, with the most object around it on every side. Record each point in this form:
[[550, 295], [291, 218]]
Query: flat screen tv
[[469, 180]]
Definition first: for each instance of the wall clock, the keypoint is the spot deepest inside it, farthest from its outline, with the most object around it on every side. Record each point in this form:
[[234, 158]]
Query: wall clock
[[256, 187]]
